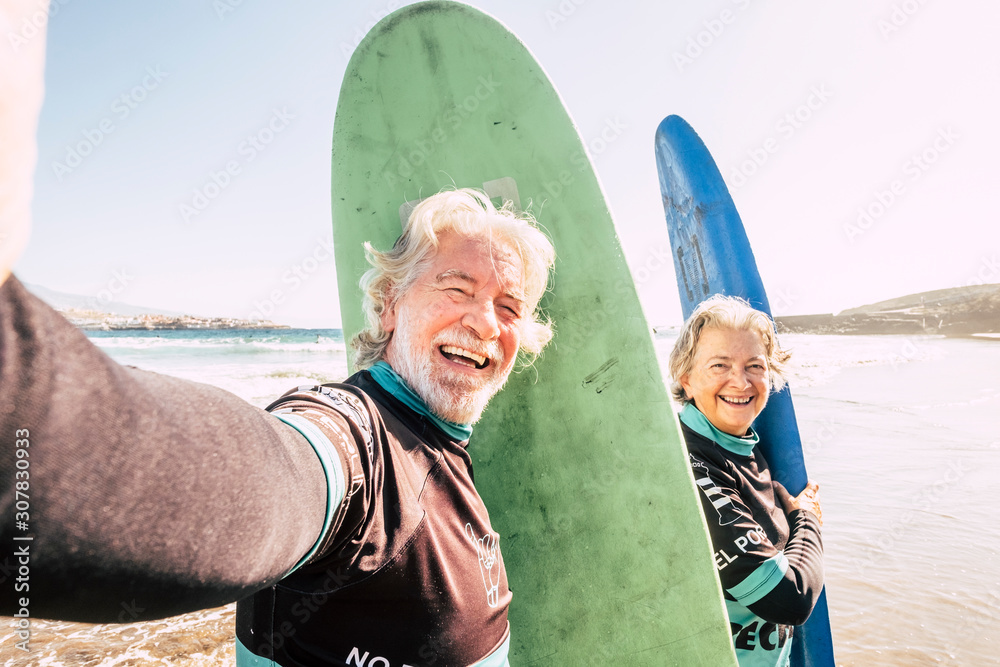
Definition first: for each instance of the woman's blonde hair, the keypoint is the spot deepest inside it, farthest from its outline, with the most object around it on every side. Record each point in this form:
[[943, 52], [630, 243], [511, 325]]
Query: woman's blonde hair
[[726, 313], [468, 212]]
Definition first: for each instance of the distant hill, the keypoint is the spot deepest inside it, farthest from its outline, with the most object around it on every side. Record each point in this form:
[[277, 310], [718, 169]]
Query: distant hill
[[91, 313], [954, 299], [63, 301], [958, 311]]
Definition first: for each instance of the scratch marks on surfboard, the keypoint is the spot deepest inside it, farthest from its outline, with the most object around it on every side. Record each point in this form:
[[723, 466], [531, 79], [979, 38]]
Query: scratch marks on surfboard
[[602, 378]]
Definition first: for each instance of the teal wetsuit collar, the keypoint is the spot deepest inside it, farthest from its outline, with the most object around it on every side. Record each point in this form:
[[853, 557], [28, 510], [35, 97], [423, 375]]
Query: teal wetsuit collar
[[389, 380], [699, 423]]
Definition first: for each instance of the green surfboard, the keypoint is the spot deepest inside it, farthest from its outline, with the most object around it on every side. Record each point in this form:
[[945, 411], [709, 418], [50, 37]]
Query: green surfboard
[[579, 459]]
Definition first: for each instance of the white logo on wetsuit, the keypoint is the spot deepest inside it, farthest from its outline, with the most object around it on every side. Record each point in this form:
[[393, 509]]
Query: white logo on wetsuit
[[720, 501], [488, 550]]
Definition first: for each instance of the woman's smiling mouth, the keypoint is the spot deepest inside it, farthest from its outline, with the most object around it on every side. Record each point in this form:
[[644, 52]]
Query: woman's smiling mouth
[[732, 400]]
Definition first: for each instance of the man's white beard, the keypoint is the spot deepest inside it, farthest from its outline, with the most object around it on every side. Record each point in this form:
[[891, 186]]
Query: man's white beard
[[453, 397]]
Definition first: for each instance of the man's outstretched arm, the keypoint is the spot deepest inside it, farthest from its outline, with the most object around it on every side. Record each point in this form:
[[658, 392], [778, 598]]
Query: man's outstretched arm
[[145, 495]]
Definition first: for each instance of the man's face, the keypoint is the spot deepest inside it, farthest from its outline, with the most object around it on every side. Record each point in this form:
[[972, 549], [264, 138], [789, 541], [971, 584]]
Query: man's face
[[456, 331]]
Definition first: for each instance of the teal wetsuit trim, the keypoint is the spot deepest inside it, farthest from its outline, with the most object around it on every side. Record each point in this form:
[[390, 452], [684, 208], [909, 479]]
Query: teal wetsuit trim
[[389, 380], [498, 658], [699, 423], [336, 486], [761, 581], [759, 634], [247, 658]]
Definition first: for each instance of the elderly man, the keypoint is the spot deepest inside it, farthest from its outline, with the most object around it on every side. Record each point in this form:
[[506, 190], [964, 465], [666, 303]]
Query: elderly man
[[344, 518], [408, 568], [348, 512]]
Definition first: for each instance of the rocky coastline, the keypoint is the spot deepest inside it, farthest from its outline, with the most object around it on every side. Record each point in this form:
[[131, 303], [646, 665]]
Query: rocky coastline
[[91, 320]]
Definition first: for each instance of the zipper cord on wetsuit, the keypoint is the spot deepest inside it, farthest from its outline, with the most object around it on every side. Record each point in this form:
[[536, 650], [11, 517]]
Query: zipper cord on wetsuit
[[390, 380]]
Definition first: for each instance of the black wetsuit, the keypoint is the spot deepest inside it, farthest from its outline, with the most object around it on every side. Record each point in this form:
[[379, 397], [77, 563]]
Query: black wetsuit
[[410, 568], [770, 564], [150, 496]]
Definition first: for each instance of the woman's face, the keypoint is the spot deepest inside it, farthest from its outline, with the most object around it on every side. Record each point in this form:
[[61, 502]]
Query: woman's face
[[729, 379]]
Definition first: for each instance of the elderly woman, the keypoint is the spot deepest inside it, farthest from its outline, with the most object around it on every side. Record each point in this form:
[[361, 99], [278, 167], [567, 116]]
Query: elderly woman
[[768, 550]]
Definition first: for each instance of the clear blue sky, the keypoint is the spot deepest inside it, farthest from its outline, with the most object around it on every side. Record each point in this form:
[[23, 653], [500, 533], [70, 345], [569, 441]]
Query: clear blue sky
[[887, 81]]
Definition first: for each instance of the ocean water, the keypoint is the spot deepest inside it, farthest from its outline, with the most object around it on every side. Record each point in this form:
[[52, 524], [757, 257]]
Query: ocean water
[[257, 365], [901, 433]]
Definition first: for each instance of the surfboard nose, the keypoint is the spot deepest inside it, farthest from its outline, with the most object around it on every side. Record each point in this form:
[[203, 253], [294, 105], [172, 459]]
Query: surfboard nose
[[673, 125]]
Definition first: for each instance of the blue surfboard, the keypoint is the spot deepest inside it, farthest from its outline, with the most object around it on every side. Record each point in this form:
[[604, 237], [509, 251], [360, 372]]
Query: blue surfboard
[[712, 255]]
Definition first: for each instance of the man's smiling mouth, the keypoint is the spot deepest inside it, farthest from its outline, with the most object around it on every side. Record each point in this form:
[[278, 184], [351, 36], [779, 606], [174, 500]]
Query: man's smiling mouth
[[464, 357]]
